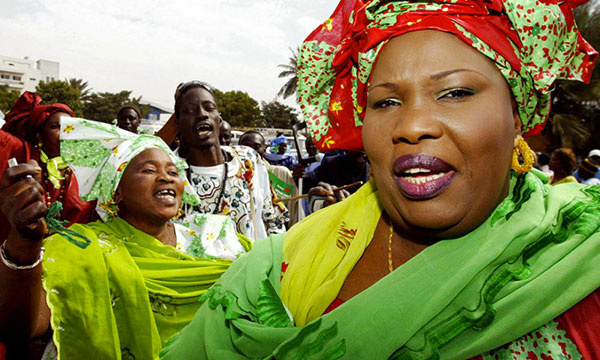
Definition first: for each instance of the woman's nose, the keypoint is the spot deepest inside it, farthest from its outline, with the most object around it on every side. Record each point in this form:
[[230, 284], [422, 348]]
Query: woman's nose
[[417, 123]]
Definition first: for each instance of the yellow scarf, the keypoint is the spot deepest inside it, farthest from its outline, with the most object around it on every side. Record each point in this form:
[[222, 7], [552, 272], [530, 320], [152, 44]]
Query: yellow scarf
[[307, 297], [54, 166]]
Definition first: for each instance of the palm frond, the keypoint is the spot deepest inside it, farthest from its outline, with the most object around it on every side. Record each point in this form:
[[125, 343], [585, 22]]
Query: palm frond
[[571, 131]]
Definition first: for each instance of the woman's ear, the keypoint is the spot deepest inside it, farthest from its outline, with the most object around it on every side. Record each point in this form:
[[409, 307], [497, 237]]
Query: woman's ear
[[117, 196], [518, 125]]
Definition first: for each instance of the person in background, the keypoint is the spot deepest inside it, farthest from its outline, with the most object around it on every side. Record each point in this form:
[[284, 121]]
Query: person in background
[[225, 133], [456, 249], [256, 141], [279, 155], [313, 151], [587, 171], [229, 180], [542, 164], [135, 275], [342, 169], [31, 132], [593, 159], [129, 118], [562, 164]]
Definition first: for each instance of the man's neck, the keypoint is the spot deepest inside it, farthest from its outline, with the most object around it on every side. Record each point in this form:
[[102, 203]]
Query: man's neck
[[206, 157]]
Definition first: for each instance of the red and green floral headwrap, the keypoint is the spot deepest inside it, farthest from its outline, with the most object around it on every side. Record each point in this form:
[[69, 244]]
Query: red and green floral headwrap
[[532, 42]]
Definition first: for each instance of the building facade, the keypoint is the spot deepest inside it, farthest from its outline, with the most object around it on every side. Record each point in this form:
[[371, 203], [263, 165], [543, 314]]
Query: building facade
[[25, 74]]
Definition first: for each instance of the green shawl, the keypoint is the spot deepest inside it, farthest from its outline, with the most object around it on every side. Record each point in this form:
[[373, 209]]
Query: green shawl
[[537, 255], [124, 295]]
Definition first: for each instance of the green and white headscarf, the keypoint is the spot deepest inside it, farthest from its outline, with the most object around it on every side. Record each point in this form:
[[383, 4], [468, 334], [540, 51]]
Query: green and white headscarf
[[98, 153]]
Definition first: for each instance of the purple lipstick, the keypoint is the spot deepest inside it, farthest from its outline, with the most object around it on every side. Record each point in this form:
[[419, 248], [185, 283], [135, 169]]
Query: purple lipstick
[[421, 177]]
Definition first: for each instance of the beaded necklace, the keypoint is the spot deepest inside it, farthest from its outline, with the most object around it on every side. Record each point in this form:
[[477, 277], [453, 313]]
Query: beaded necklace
[[219, 205], [47, 185]]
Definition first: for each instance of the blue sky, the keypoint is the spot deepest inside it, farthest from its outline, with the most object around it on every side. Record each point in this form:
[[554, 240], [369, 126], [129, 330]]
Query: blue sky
[[150, 46]]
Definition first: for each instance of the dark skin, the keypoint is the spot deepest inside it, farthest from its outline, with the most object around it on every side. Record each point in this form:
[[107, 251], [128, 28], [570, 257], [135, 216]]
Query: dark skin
[[225, 133], [282, 149], [50, 135], [24, 314], [255, 141], [198, 121], [310, 146], [128, 119], [424, 102]]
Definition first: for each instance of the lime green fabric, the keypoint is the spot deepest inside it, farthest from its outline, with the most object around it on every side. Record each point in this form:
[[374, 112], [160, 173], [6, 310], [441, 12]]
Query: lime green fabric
[[124, 295], [330, 261], [536, 256], [54, 166]]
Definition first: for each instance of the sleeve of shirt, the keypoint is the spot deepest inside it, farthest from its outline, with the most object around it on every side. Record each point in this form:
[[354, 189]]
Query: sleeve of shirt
[[273, 218], [12, 147]]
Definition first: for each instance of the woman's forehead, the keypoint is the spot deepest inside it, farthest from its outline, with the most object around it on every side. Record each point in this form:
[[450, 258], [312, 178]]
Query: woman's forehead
[[428, 52], [152, 155]]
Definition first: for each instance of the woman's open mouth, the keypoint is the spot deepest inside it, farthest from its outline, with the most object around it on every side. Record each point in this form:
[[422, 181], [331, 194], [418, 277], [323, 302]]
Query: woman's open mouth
[[421, 177], [167, 196]]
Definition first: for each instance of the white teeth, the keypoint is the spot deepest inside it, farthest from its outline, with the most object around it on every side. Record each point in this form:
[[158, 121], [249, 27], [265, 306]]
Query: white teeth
[[416, 171], [423, 179], [163, 194]]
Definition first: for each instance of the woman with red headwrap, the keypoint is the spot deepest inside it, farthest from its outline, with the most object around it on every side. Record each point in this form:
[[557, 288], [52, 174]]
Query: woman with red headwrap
[[456, 247], [31, 132]]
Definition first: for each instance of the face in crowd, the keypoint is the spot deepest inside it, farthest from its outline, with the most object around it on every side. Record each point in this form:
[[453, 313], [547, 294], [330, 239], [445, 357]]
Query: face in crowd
[[225, 133], [150, 188], [255, 141], [49, 135], [128, 119], [198, 119], [310, 146], [282, 148], [439, 131]]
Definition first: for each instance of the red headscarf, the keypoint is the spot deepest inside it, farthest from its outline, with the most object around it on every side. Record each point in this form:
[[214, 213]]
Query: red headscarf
[[532, 43], [28, 116]]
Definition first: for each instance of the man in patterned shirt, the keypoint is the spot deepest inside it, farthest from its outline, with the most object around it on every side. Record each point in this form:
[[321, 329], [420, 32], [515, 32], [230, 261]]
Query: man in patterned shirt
[[229, 180]]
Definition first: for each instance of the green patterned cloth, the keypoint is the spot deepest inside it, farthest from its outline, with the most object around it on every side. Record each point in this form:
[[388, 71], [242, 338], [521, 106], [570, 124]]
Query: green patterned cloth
[[122, 296], [532, 43], [537, 255], [98, 154]]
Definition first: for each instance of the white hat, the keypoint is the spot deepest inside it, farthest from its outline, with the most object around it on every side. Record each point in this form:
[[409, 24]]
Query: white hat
[[594, 152]]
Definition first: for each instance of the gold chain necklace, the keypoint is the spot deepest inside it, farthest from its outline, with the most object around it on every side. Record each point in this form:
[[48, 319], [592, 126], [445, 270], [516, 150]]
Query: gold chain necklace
[[390, 263]]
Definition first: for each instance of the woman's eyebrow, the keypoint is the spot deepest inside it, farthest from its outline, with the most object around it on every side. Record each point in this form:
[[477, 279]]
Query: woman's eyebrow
[[387, 85], [156, 163], [443, 74]]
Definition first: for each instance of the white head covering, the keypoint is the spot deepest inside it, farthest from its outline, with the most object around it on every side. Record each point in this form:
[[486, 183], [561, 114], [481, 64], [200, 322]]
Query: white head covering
[[98, 154]]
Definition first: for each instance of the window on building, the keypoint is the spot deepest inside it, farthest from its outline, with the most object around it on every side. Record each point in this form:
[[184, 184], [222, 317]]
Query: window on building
[[2, 76], [15, 77], [32, 79]]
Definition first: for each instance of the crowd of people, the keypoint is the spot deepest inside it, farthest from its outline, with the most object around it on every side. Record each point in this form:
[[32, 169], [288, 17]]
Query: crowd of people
[[432, 230]]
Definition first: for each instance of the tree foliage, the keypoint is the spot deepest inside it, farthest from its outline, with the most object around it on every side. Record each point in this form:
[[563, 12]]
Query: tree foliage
[[82, 85], [103, 106], [7, 98], [58, 91], [291, 71], [239, 108], [278, 115]]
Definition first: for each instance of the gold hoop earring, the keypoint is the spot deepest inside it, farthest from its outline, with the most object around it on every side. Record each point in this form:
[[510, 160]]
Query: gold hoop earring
[[40, 144], [522, 149], [111, 208]]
